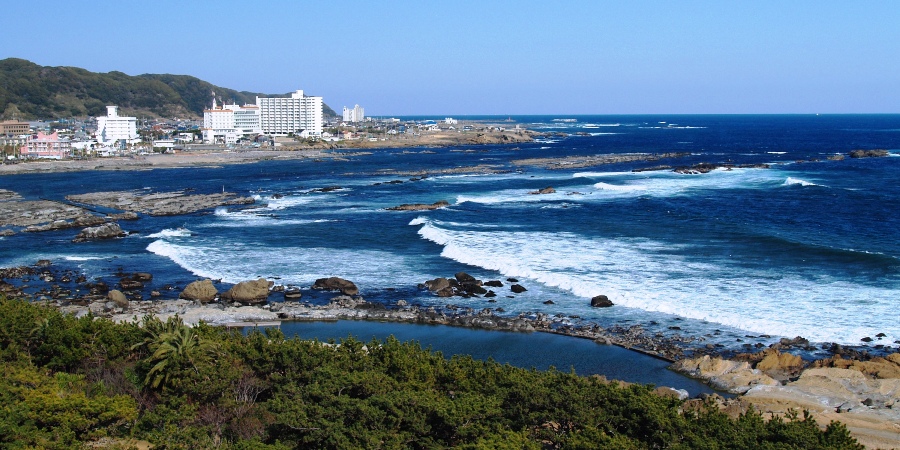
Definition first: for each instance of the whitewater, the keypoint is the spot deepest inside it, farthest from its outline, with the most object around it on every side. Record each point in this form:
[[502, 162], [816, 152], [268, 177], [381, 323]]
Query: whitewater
[[802, 244]]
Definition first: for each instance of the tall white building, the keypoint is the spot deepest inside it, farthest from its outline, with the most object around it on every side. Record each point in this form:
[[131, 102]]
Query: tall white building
[[114, 128], [357, 114], [298, 114], [228, 123]]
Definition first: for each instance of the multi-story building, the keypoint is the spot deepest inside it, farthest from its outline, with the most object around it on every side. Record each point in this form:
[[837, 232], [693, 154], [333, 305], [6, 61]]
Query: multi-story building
[[299, 114], [357, 114], [229, 123], [115, 129], [12, 128], [46, 146]]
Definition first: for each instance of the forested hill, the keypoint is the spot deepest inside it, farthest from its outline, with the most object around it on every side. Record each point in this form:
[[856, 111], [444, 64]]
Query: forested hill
[[30, 91]]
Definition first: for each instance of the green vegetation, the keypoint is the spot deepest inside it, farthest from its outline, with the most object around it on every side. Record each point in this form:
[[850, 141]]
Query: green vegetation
[[69, 380], [30, 91]]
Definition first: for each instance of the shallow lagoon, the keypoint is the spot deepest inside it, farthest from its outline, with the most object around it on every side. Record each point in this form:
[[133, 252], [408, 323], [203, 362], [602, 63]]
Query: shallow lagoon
[[528, 350]]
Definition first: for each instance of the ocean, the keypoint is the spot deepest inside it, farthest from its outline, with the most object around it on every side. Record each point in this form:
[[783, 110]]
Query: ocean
[[807, 247]]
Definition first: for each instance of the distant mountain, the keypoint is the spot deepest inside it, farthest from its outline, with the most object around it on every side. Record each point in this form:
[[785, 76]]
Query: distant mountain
[[29, 91]]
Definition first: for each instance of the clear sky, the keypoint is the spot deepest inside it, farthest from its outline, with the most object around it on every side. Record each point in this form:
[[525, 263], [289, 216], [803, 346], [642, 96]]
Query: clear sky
[[492, 57]]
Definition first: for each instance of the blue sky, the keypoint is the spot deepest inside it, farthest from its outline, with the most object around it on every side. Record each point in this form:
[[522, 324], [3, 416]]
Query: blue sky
[[502, 57]]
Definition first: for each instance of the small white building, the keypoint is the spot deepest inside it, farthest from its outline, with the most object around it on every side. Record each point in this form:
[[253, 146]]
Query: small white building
[[114, 128]]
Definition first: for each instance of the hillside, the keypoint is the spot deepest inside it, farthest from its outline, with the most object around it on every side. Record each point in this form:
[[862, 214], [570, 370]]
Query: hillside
[[30, 91]]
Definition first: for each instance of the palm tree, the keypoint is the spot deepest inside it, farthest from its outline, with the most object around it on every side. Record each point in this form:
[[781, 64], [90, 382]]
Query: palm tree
[[173, 346]]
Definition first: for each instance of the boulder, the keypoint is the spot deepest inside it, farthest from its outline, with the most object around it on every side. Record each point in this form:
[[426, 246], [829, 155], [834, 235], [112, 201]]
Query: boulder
[[601, 301], [780, 365], [546, 190], [105, 231], [517, 288], [437, 284], [336, 284], [463, 277], [142, 277], [117, 297], [7, 232], [292, 294], [494, 283], [202, 291], [249, 292], [733, 376]]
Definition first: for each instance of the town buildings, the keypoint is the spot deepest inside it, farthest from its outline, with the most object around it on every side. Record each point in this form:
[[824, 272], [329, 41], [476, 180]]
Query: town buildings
[[357, 114], [13, 128], [298, 114], [114, 129], [229, 123], [46, 146]]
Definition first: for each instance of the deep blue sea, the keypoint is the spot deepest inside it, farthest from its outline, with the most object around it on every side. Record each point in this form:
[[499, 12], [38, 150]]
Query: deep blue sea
[[802, 248]]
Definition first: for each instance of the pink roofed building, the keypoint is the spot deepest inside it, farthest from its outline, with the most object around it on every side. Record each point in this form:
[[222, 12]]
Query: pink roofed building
[[46, 146]]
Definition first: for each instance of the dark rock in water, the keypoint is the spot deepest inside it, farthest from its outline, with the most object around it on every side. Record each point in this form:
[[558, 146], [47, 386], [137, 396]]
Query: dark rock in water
[[7, 232], [867, 339], [446, 292], [546, 190], [129, 284], [494, 283], [869, 153], [549, 302], [142, 276], [420, 206], [490, 294], [463, 277], [327, 189], [836, 158], [292, 294], [202, 291], [512, 280], [249, 292], [517, 288], [437, 284], [43, 263], [474, 289], [105, 231], [336, 284], [601, 301]]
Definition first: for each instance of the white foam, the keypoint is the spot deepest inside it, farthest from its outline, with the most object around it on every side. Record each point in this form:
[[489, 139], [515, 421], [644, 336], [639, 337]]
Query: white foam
[[790, 181], [653, 276], [421, 220], [620, 188], [81, 258], [233, 262], [170, 232], [777, 153]]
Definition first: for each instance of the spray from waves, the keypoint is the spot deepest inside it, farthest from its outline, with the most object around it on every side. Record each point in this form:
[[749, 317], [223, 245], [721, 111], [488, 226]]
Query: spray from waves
[[82, 258], [791, 181], [170, 232], [654, 276], [233, 262], [620, 188]]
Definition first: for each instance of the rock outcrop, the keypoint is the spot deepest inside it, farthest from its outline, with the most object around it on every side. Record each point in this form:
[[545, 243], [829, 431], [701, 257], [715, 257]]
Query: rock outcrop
[[736, 377], [249, 292], [202, 291], [877, 153], [160, 203], [336, 284], [105, 231], [546, 190], [420, 206]]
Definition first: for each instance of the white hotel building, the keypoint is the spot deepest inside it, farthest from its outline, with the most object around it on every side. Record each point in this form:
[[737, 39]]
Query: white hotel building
[[113, 128], [228, 123], [299, 114], [357, 114]]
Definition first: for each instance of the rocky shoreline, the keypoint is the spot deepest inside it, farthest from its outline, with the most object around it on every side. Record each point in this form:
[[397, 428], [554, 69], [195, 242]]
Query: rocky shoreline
[[851, 386]]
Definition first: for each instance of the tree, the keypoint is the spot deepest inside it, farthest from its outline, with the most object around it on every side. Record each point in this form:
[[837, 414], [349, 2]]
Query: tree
[[173, 347]]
